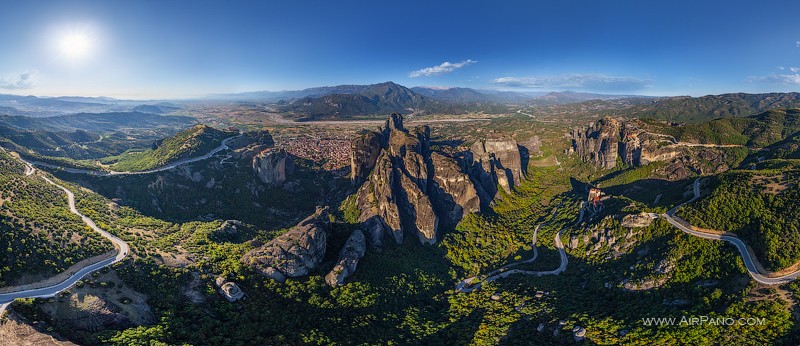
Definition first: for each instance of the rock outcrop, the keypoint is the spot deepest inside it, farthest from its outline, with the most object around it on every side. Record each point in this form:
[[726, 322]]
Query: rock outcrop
[[599, 143], [637, 220], [497, 161], [610, 140], [418, 207], [295, 252], [364, 151], [351, 253], [453, 192], [411, 189], [273, 168], [378, 203]]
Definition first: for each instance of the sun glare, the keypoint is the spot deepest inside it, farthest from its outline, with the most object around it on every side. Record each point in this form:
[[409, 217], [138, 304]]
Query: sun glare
[[75, 45]]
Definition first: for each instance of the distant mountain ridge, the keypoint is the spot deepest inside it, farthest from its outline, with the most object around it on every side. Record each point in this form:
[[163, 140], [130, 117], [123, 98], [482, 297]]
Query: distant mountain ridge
[[373, 99], [567, 97], [469, 95], [113, 121], [697, 109]]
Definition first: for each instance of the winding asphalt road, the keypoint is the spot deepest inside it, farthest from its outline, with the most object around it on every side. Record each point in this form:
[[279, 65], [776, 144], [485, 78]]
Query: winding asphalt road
[[740, 245], [122, 247], [465, 285], [50, 291], [223, 146]]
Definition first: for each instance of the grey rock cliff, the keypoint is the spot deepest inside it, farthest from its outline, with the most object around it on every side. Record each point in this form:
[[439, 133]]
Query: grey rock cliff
[[376, 199], [412, 189], [364, 151], [599, 143], [419, 208], [273, 168], [453, 191], [497, 161]]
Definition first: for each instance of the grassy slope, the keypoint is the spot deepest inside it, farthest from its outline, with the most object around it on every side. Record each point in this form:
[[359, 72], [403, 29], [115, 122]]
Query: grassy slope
[[194, 141]]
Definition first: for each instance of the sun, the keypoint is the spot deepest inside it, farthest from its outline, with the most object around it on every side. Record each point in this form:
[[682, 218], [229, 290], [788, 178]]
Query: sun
[[75, 45]]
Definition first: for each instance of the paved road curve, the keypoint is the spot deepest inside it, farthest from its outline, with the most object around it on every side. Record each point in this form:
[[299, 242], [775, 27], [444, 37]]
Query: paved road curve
[[740, 245], [50, 291], [504, 271], [119, 244], [223, 146]]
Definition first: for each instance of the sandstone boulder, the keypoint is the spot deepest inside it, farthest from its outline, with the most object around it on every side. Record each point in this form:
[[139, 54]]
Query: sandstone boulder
[[295, 252], [349, 256]]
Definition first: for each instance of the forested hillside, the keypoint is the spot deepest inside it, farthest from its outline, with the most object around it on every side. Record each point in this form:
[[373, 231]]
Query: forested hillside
[[38, 234], [760, 206]]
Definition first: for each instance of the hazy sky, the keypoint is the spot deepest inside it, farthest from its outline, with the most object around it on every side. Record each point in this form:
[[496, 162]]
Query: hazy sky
[[161, 49]]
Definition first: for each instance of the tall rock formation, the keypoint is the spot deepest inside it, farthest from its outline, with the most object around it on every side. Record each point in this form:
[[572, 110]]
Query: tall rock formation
[[607, 140], [453, 193], [364, 151], [378, 204], [295, 252], [351, 253], [412, 189], [418, 208], [273, 168], [497, 162], [599, 143]]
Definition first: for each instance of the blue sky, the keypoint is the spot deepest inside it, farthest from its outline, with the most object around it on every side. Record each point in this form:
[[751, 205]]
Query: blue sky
[[164, 49]]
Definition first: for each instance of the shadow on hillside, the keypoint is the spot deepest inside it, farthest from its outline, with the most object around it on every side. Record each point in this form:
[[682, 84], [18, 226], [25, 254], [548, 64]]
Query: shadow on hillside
[[647, 191]]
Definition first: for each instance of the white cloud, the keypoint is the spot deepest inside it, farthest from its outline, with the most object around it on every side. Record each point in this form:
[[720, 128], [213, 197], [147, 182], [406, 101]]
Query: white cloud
[[445, 67], [576, 81], [797, 43], [24, 80], [779, 78], [776, 78]]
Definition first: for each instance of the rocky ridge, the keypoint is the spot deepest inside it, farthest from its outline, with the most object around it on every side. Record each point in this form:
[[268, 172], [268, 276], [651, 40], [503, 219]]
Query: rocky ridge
[[610, 141]]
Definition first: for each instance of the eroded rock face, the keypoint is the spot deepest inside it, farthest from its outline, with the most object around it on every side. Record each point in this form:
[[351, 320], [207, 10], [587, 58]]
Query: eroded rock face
[[364, 151], [607, 140], [411, 188], [637, 220], [497, 161], [453, 191], [295, 252], [599, 143], [349, 256], [273, 168], [419, 208]]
